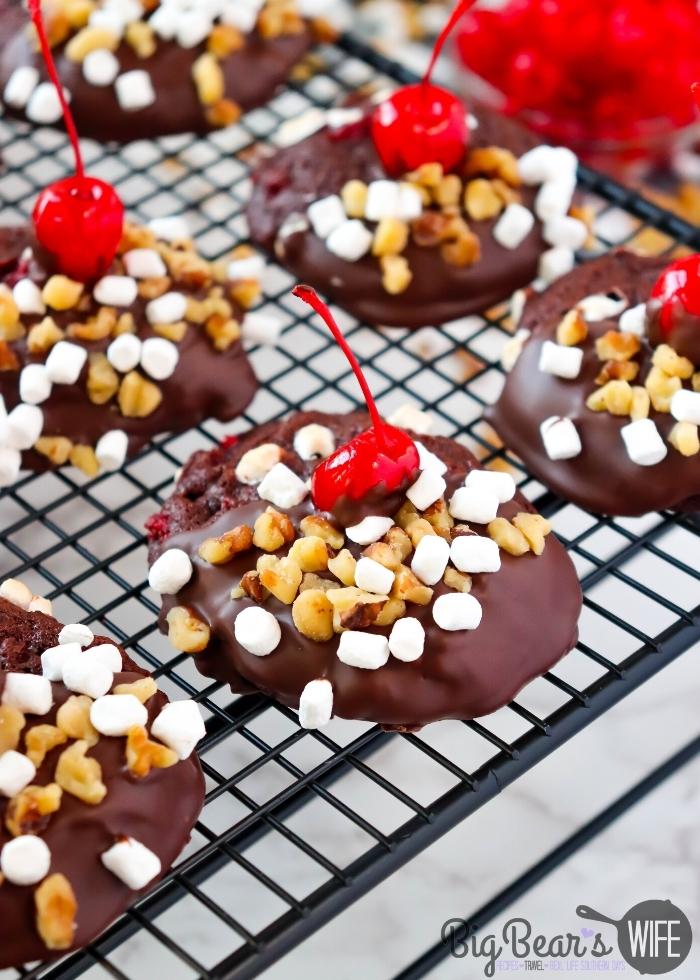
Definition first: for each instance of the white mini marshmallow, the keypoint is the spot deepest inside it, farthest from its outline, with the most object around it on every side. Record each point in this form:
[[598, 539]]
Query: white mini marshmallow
[[566, 231], [254, 465], [76, 633], [316, 704], [85, 674], [144, 263], [350, 241], [42, 605], [257, 631], [250, 267], [369, 530], [500, 484], [180, 726], [429, 461], [261, 328], [116, 290], [685, 406], [44, 106], [164, 21], [559, 360], [30, 693], [373, 577], [409, 416], [171, 572], [100, 67], [194, 26], [24, 426], [643, 442], [168, 308], [430, 558], [134, 90], [135, 865], [173, 228], [474, 503], [370, 651], [20, 86], [115, 714], [560, 437], [108, 19], [407, 639], [124, 353], [65, 362], [282, 487], [299, 127], [554, 198], [634, 320], [16, 592], [159, 358], [34, 384], [16, 772], [111, 450], [27, 296], [473, 553], [537, 165], [54, 659], [514, 225], [326, 215], [428, 488], [601, 307], [555, 263], [242, 15], [25, 860], [314, 441], [107, 654], [383, 200], [457, 611], [10, 463], [410, 203]]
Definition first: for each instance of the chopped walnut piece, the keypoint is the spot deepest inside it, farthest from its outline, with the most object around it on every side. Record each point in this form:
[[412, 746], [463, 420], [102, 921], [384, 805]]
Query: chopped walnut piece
[[696, 381], [283, 579], [90, 39], [73, 718], [187, 632], [136, 236], [224, 39], [354, 197], [617, 371], [481, 201], [30, 810], [98, 327], [354, 609], [219, 551], [392, 610], [439, 518], [406, 516], [8, 359], [142, 689], [154, 287], [390, 237], [459, 581], [427, 175], [102, 380], [171, 331], [251, 586], [684, 438], [310, 554], [84, 459], [312, 613], [448, 192], [315, 526], [78, 12], [222, 331], [463, 251], [55, 448], [508, 537], [189, 269], [311, 580], [140, 36], [79, 775], [661, 389], [61, 293], [641, 403], [614, 397], [617, 346], [506, 193], [246, 292], [396, 274], [343, 567], [12, 722], [208, 78], [43, 336], [418, 529], [11, 327], [138, 398], [272, 530], [142, 754], [224, 113], [40, 740], [56, 912], [493, 161], [384, 554], [572, 329], [125, 324], [279, 19], [399, 542], [672, 363], [430, 228], [535, 528], [408, 586]]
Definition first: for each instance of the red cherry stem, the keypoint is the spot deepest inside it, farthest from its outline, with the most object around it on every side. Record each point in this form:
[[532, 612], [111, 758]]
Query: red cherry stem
[[311, 297], [37, 18], [457, 14]]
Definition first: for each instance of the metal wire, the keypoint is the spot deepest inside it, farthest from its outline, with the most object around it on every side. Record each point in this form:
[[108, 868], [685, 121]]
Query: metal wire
[[298, 825]]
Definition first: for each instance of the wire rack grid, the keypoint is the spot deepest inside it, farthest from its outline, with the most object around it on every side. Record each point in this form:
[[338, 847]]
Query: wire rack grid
[[298, 825]]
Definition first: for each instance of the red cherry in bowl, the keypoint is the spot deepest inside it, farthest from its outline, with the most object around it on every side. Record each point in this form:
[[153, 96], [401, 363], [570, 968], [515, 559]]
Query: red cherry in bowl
[[673, 311]]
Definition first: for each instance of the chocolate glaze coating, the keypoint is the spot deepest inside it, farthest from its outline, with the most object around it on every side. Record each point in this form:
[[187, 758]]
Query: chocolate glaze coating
[[320, 165], [684, 332], [159, 811], [602, 478], [205, 384], [252, 76], [460, 675]]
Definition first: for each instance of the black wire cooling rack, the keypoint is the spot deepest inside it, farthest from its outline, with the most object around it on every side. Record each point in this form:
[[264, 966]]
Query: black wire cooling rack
[[258, 875]]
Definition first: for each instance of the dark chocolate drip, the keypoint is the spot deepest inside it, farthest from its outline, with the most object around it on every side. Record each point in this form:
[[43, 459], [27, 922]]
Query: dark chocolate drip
[[682, 331], [377, 503]]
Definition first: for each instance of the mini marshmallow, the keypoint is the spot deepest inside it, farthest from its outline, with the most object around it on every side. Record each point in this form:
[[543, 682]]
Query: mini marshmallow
[[20, 86], [164, 21], [170, 229], [144, 263], [44, 106], [16, 592], [314, 441], [554, 198], [65, 362], [340, 118], [25, 860], [54, 659], [457, 611], [132, 863], [566, 231], [555, 263], [85, 674], [16, 772], [429, 487], [242, 15], [316, 704], [430, 558], [30, 693], [369, 530], [601, 307], [168, 308], [116, 290], [108, 655], [254, 465], [134, 90], [410, 203], [537, 165], [282, 487], [298, 128], [111, 450], [100, 67], [564, 362], [257, 631], [373, 577], [407, 639], [171, 572], [27, 296], [108, 19], [180, 726], [42, 605], [194, 27], [76, 633], [473, 553], [500, 484], [115, 714], [429, 461], [643, 443], [326, 215], [560, 437], [370, 651], [383, 200], [261, 328], [514, 225], [409, 416], [10, 463], [159, 358], [685, 406], [634, 320], [250, 267], [24, 426], [474, 503], [34, 384], [350, 241], [124, 353]]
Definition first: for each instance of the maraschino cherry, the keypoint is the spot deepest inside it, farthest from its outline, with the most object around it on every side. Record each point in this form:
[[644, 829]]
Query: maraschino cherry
[[78, 221], [673, 311], [423, 123], [378, 463]]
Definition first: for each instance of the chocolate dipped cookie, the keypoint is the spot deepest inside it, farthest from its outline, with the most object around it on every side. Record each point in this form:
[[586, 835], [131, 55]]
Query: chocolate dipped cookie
[[99, 785], [602, 396]]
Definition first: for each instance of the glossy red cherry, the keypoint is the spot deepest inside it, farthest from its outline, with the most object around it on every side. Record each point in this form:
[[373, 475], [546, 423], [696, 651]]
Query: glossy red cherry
[[423, 123], [382, 458], [678, 285], [79, 220]]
